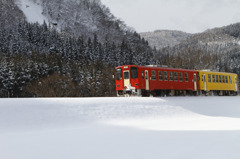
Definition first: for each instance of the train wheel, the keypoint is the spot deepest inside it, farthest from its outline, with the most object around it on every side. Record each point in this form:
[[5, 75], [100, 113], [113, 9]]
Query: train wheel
[[184, 93], [145, 93], [210, 93], [235, 93], [153, 94], [127, 95], [195, 93]]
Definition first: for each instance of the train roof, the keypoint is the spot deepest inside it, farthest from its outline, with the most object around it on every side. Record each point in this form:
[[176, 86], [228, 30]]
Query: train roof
[[172, 69], [159, 67], [208, 71]]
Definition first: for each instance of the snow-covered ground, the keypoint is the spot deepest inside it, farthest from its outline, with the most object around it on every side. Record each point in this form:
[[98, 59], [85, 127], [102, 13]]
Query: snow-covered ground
[[120, 128]]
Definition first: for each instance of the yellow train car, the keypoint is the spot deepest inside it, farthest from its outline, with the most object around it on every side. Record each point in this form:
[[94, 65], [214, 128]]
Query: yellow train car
[[219, 83]]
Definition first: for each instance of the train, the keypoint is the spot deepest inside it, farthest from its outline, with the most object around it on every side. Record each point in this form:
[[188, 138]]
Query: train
[[152, 80]]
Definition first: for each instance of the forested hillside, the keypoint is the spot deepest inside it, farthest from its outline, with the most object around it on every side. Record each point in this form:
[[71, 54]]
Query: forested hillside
[[10, 14], [216, 49], [41, 60], [165, 38], [91, 16]]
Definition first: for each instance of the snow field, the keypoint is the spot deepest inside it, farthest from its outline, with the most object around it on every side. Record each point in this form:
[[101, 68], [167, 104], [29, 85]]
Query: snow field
[[120, 128]]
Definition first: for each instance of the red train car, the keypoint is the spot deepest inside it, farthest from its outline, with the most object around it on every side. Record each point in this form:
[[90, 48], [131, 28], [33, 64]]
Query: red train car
[[154, 80]]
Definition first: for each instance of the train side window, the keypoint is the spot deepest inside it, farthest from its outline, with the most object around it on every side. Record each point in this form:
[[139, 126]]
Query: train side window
[[134, 72], [223, 79], [186, 77], [165, 76], [220, 79], [142, 75], [180, 76], [153, 75], [170, 76], [213, 78], [226, 79], [175, 76], [209, 78], [216, 78], [202, 77], [230, 79], [160, 75]]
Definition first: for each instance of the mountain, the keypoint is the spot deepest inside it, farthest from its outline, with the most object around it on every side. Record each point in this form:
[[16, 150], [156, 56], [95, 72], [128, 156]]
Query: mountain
[[75, 17], [217, 49], [165, 38]]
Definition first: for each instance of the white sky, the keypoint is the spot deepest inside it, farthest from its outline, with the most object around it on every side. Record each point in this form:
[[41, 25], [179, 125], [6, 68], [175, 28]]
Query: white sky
[[186, 15]]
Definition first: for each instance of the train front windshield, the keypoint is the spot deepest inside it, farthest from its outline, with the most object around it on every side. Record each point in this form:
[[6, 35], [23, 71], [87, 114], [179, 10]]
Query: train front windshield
[[119, 74]]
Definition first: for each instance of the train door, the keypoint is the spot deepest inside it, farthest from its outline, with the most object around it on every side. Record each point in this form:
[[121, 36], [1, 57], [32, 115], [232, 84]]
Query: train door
[[195, 81], [236, 85], [205, 82], [147, 79], [126, 78]]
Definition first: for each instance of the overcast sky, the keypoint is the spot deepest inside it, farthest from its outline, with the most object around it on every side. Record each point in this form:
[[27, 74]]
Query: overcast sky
[[186, 15]]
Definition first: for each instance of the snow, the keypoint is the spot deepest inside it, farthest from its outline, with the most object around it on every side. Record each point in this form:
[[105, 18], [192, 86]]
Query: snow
[[120, 128], [32, 11]]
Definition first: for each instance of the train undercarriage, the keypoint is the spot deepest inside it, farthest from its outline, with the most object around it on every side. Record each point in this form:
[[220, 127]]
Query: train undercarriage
[[163, 93]]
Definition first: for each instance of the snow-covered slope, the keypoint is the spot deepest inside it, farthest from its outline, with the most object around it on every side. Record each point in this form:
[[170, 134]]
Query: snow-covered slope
[[32, 11], [75, 17], [165, 38], [120, 128]]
